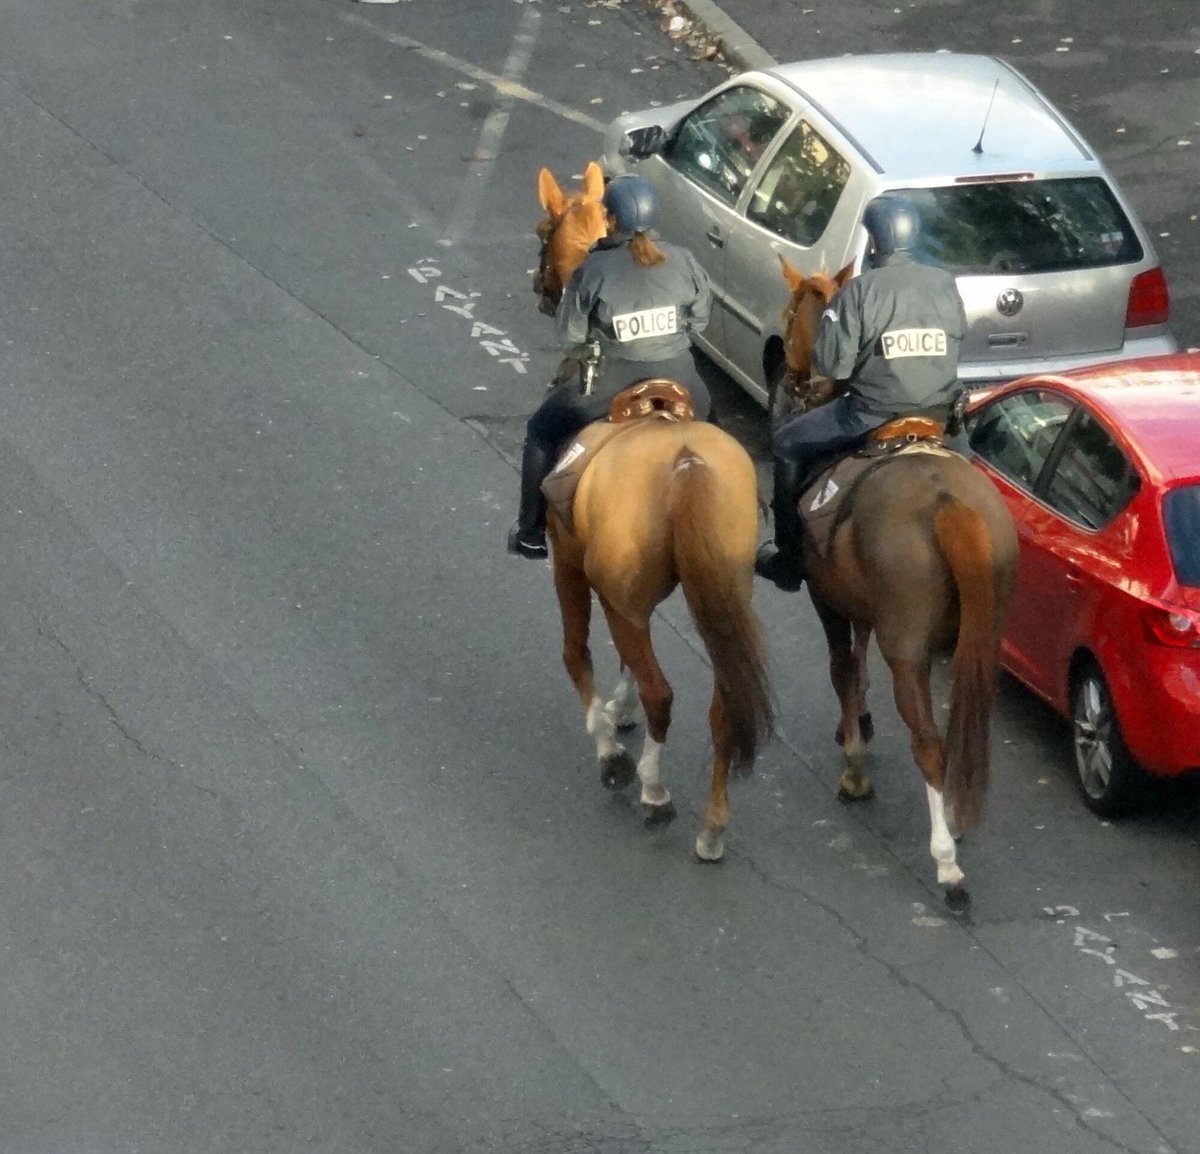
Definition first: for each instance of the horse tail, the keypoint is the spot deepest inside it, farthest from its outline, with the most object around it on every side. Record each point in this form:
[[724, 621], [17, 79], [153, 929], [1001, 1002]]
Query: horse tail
[[717, 589], [966, 544]]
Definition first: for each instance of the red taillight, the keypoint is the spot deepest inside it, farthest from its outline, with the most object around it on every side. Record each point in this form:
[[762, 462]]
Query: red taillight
[[1178, 628], [1149, 299]]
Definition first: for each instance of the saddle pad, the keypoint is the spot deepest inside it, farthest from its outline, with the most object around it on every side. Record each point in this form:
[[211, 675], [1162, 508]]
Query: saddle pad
[[559, 487], [825, 504]]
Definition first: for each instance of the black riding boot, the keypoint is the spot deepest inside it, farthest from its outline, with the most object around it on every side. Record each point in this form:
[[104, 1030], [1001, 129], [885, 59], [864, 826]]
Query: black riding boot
[[782, 560], [527, 537]]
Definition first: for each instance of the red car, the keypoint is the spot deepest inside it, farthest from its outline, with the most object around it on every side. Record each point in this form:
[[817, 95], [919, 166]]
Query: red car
[[1101, 470]]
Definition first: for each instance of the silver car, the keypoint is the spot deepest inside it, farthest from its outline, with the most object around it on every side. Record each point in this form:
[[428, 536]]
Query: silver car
[[1052, 265]]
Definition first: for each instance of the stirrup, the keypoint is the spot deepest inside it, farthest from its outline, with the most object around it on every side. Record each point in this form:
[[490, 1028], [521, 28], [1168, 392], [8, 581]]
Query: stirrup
[[532, 545], [783, 569]]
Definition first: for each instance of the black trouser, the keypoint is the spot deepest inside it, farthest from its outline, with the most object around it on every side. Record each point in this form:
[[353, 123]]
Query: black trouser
[[799, 444], [566, 410]]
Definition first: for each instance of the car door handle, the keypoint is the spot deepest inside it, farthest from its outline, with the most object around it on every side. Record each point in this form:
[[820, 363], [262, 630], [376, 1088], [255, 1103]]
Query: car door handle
[[714, 234], [1074, 579]]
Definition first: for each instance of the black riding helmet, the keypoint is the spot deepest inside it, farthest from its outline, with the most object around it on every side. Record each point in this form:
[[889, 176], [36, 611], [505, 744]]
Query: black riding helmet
[[893, 224], [633, 202]]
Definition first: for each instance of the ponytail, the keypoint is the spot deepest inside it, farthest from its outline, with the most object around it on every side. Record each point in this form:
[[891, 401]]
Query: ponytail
[[644, 251]]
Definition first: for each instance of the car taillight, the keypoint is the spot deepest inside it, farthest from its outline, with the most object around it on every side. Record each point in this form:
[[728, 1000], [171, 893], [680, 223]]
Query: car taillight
[[1149, 299], [1178, 628]]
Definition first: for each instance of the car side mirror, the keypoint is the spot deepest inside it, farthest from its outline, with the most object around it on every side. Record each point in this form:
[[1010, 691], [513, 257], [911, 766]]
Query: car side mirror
[[640, 143]]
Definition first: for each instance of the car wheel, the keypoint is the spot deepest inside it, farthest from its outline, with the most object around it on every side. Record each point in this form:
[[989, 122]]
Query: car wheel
[[1110, 781]]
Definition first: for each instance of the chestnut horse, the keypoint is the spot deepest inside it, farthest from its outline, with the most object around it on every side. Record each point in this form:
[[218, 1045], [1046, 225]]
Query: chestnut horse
[[925, 556], [572, 224], [664, 504]]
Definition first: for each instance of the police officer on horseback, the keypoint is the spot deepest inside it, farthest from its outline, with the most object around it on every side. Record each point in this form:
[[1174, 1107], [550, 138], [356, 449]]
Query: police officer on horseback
[[893, 335], [638, 298]]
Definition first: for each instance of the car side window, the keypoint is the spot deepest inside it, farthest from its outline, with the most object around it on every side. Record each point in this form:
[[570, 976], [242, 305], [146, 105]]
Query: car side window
[[1016, 433], [1093, 479], [719, 145], [800, 189]]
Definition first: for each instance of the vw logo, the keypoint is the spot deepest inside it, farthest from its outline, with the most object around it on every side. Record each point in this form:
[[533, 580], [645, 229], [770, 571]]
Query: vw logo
[[1009, 302]]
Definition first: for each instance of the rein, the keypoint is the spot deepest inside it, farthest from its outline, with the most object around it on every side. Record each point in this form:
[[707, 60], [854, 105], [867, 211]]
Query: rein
[[545, 231]]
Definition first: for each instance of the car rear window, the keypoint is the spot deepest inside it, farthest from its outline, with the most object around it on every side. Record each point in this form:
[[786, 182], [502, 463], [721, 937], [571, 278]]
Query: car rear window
[[1024, 226], [1181, 512]]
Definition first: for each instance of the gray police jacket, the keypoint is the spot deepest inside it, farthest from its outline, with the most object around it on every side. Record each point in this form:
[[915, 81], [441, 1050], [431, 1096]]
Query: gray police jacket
[[639, 314], [894, 333]]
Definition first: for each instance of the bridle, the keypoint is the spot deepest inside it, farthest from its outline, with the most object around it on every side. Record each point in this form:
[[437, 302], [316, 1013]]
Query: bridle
[[544, 276], [802, 388]]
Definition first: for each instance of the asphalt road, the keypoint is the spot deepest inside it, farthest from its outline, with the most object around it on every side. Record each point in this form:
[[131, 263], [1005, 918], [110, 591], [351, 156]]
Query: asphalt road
[[303, 842]]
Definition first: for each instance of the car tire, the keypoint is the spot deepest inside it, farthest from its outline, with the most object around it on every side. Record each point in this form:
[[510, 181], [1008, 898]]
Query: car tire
[[1110, 781]]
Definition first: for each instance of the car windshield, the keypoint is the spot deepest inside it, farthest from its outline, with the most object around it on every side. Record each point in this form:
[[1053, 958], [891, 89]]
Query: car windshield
[[1181, 512], [1024, 226]]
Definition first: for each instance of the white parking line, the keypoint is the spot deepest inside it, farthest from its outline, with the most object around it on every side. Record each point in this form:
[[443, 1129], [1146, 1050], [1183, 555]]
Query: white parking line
[[501, 84], [492, 133]]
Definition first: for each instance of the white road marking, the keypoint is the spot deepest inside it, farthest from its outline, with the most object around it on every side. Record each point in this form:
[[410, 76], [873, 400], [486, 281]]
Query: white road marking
[[502, 85], [488, 147]]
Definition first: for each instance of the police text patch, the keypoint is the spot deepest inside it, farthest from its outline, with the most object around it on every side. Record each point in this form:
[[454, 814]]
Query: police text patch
[[647, 323], [913, 343]]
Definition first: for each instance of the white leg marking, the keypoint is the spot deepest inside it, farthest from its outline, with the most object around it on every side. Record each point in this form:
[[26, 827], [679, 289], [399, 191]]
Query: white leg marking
[[941, 844], [623, 708], [600, 726], [653, 790]]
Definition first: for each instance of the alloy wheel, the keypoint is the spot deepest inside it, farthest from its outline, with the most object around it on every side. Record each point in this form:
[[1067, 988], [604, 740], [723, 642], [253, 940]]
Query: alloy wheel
[[1094, 724]]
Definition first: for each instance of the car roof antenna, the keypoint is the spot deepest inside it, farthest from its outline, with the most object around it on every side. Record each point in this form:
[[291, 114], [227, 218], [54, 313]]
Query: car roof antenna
[[978, 149]]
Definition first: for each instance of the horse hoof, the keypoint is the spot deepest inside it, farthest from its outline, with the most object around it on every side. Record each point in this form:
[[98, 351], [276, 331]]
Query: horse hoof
[[848, 798], [710, 850], [957, 899], [617, 770], [656, 815]]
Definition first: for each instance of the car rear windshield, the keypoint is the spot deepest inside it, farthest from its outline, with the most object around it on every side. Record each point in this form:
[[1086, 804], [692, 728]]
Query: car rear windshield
[[1024, 226], [1181, 512]]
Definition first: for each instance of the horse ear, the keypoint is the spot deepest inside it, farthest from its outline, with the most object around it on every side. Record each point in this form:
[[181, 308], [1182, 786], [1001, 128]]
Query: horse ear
[[549, 194], [844, 275], [593, 181], [791, 273]]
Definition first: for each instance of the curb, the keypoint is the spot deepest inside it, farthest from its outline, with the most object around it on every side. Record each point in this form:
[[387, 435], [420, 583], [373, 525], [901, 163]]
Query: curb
[[738, 47]]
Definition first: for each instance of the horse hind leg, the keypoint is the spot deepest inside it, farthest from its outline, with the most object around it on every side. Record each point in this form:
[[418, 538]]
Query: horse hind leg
[[622, 707], [637, 653], [866, 724], [710, 842], [915, 705], [575, 607], [846, 662]]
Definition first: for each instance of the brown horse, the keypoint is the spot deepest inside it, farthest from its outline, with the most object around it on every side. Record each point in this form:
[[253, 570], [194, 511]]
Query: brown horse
[[665, 504], [572, 224], [925, 555]]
